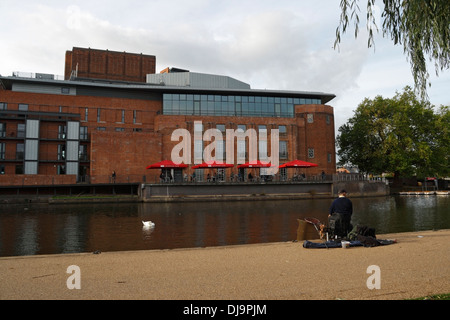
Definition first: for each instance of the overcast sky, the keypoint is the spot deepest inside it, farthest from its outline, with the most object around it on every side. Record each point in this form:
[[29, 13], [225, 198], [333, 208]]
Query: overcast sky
[[279, 45]]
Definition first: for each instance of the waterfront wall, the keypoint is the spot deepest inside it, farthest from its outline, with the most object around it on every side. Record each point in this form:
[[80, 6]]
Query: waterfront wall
[[266, 191]]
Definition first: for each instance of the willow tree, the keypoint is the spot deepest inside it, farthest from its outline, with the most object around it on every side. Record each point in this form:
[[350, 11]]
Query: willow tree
[[401, 135], [422, 26]]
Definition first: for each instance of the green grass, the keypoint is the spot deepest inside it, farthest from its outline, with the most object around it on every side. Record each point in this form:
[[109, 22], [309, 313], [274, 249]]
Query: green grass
[[443, 296]]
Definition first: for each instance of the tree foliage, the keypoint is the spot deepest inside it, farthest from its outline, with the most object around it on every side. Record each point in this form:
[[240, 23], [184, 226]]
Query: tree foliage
[[400, 135], [422, 26]]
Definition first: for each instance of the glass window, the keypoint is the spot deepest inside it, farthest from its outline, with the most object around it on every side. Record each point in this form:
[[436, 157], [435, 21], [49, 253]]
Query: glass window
[[310, 152], [20, 130], [23, 107], [20, 150], [61, 152], [2, 151], [61, 169], [2, 129], [19, 169], [283, 149], [310, 117], [220, 127], [82, 152], [62, 132], [282, 129], [83, 133], [3, 106]]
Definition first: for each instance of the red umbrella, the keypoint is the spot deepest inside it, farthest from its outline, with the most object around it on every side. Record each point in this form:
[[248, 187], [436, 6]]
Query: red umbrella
[[255, 164], [166, 164], [298, 164], [212, 164]]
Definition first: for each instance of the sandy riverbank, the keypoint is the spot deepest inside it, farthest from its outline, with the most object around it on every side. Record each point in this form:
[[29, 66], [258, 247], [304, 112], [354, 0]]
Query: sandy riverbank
[[418, 265]]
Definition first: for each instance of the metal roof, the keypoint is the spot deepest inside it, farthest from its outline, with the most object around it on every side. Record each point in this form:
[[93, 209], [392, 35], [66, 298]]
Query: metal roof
[[7, 82]]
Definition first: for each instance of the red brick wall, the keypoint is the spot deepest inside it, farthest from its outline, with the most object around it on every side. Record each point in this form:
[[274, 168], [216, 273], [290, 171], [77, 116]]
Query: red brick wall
[[128, 154], [111, 65]]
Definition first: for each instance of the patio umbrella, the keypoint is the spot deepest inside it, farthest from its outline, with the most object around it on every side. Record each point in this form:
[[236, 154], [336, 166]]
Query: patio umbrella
[[255, 164], [298, 164], [212, 164], [166, 164]]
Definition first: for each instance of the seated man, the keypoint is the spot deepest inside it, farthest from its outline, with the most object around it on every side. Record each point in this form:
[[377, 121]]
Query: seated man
[[340, 214]]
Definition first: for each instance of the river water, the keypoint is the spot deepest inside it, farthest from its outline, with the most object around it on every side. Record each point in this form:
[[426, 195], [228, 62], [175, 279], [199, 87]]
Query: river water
[[52, 229]]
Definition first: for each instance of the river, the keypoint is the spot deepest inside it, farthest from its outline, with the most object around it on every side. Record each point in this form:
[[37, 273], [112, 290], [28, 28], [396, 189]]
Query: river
[[37, 229]]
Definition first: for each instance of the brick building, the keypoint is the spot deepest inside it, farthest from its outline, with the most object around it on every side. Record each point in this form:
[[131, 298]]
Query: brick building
[[114, 113]]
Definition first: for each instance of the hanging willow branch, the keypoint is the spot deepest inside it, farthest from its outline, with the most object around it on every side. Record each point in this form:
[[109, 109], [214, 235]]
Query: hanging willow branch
[[422, 26]]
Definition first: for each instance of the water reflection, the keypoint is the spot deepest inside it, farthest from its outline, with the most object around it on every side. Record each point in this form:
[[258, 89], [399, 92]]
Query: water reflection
[[47, 229]]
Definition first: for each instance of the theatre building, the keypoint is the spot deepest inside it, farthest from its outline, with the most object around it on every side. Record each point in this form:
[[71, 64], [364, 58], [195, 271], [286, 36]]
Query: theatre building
[[113, 112]]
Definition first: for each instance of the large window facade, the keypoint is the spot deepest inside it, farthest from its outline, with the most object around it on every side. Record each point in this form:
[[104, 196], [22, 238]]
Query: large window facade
[[219, 105]]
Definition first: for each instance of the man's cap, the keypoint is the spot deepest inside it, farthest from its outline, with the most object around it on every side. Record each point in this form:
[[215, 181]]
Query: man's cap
[[342, 191]]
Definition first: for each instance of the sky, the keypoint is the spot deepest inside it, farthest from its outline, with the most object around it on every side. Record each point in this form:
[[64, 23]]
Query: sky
[[277, 45]]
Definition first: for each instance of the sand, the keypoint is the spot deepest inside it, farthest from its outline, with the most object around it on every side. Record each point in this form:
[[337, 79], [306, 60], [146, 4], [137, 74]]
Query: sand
[[417, 265]]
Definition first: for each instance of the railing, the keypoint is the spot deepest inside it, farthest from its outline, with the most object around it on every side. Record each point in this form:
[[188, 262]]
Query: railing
[[32, 75], [278, 178]]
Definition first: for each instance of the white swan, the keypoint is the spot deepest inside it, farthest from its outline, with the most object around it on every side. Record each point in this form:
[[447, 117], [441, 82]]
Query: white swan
[[148, 224]]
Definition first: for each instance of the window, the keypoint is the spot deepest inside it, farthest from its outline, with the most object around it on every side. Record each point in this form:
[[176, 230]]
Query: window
[[310, 117], [2, 130], [137, 116], [60, 169], [2, 151], [101, 128], [82, 152], [310, 152], [61, 152], [99, 113], [282, 129], [86, 111], [3, 106], [83, 133], [23, 107], [220, 127], [120, 129], [62, 129], [329, 157], [65, 90], [242, 127], [20, 130], [20, 150], [283, 149], [328, 119], [123, 116], [137, 129], [2, 169], [19, 169]]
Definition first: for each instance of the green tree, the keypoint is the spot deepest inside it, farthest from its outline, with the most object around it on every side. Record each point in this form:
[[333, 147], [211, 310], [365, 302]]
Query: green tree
[[401, 135], [422, 26]]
